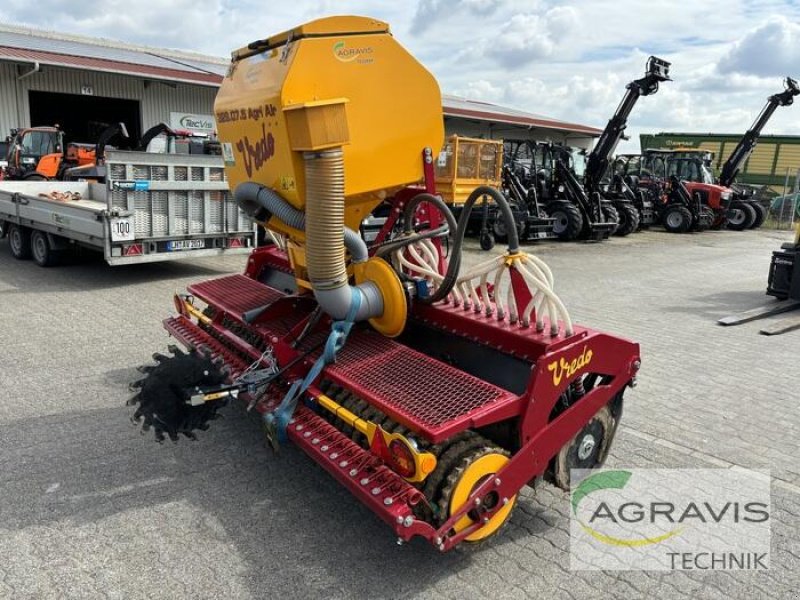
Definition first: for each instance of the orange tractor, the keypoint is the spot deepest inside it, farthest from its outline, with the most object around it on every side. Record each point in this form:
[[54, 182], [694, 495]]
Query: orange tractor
[[39, 153]]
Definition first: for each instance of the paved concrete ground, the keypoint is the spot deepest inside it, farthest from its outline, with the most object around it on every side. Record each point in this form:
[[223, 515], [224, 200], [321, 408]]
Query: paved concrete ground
[[88, 508]]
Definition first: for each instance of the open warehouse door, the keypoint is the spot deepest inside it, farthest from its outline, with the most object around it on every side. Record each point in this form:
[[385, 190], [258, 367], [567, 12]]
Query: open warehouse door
[[83, 118]]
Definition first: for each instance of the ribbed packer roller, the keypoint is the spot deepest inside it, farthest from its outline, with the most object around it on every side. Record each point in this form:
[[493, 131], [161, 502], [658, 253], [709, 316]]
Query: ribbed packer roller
[[433, 391]]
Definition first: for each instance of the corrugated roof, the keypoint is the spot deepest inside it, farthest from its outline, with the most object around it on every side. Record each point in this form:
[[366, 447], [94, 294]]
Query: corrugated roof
[[109, 66], [109, 55], [97, 54], [455, 106]]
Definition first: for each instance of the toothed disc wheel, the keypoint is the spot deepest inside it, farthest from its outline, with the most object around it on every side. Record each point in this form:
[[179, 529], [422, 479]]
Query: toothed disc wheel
[[474, 468], [587, 450], [163, 394]]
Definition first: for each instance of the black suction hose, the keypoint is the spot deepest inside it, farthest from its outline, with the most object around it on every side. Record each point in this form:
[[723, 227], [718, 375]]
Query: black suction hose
[[459, 230]]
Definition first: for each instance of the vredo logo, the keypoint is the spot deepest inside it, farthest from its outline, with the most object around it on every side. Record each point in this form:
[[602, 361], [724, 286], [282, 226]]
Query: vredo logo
[[563, 367], [345, 54]]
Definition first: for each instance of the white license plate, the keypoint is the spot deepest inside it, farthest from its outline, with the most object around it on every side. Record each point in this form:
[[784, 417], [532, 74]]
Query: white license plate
[[121, 230], [186, 245]]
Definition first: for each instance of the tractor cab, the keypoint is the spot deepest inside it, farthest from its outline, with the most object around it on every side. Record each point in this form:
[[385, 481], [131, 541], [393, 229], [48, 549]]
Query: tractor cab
[[27, 147]]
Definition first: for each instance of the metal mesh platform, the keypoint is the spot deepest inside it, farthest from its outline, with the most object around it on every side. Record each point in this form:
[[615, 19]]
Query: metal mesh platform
[[235, 294], [417, 390]]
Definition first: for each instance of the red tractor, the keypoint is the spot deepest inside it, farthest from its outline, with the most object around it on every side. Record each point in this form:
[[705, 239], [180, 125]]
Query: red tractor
[[434, 393]]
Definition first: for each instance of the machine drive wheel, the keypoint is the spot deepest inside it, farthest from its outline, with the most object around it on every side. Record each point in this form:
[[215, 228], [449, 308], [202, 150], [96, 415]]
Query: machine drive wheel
[[19, 239], [486, 241], [677, 219], [761, 214], [34, 177], [587, 450], [568, 222], [611, 216], [473, 469], [741, 216], [163, 393], [41, 250]]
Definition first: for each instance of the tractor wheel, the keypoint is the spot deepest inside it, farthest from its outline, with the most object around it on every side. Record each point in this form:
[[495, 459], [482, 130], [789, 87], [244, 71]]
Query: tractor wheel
[[677, 219], [34, 177], [486, 241], [742, 216], [568, 222], [761, 214], [19, 239], [628, 219], [473, 468], [587, 450], [499, 229], [42, 251], [611, 216], [163, 394]]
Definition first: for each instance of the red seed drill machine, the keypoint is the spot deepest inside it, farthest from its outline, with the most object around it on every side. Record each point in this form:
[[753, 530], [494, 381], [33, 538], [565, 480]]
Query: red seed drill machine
[[433, 393]]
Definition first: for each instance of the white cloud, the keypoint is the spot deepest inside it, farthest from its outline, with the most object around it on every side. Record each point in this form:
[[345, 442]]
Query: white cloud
[[771, 49], [564, 59]]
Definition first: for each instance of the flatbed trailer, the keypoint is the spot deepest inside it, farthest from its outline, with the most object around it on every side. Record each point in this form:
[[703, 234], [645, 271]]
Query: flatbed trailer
[[153, 207]]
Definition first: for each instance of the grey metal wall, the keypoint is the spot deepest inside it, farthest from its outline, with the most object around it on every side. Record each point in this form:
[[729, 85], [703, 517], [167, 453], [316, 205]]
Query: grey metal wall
[[156, 99], [499, 131]]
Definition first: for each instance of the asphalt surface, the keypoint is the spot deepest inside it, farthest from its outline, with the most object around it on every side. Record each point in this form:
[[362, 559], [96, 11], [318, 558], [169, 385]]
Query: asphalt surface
[[91, 509]]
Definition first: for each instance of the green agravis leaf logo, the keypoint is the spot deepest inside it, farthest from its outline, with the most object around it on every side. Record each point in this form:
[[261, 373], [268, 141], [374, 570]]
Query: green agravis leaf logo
[[605, 480]]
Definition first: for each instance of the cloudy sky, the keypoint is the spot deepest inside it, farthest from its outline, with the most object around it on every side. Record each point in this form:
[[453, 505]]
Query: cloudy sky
[[569, 60]]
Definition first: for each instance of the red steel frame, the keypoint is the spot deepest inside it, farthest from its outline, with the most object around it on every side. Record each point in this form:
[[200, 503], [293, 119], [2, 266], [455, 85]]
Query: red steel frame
[[385, 492]]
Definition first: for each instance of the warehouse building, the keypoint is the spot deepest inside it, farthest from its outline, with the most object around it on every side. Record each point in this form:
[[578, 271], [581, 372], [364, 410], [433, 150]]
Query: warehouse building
[[84, 84], [775, 161]]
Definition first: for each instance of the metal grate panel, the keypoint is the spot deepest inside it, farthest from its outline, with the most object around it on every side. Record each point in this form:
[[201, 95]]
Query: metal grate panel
[[180, 204], [160, 212], [235, 294], [422, 391], [196, 212]]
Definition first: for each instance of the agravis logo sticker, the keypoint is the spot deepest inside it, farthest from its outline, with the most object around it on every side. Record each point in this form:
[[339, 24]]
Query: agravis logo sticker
[[360, 54], [610, 480], [668, 519]]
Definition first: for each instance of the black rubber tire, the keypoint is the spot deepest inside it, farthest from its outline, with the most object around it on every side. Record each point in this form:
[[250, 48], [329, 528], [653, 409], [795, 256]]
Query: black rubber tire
[[499, 229], [744, 219], [676, 219], [761, 214], [41, 250], [587, 450], [3, 229], [568, 220], [628, 219], [34, 177], [611, 216], [486, 241], [19, 239]]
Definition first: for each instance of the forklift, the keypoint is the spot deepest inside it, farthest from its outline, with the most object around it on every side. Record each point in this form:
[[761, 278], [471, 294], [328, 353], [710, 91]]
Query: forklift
[[783, 284]]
